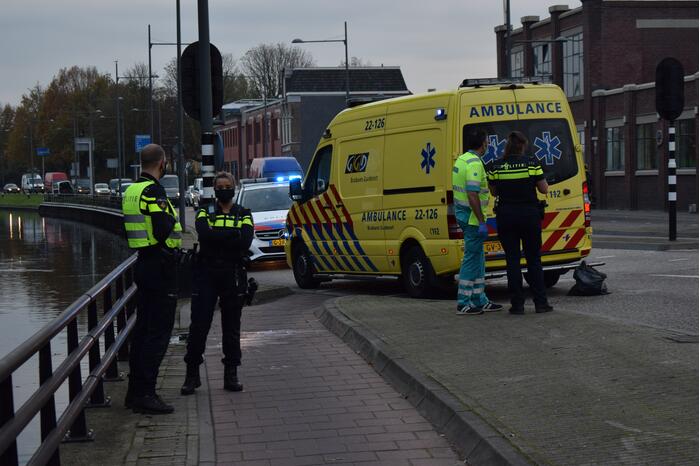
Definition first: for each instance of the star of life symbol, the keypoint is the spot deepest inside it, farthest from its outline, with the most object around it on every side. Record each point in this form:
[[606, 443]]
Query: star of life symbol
[[547, 148], [494, 150], [428, 153]]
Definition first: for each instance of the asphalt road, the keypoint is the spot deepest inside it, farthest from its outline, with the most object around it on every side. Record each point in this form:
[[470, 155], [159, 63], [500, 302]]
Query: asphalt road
[[657, 289]]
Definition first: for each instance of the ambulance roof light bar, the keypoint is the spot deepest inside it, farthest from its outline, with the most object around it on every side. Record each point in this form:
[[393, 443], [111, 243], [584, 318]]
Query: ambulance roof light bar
[[478, 82]]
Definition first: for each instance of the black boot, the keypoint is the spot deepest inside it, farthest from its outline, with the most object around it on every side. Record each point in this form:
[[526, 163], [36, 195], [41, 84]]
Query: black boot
[[192, 380], [231, 379]]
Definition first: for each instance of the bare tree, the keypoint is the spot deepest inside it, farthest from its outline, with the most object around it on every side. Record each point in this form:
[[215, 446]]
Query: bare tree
[[263, 65], [138, 74], [356, 62]]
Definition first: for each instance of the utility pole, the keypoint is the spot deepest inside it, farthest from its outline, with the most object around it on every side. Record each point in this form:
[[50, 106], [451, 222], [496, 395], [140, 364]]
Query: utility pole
[[205, 104], [507, 12], [150, 84], [347, 67], [180, 137]]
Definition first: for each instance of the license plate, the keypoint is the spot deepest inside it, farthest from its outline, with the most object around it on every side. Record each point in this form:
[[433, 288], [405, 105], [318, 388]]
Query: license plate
[[278, 242], [493, 247]]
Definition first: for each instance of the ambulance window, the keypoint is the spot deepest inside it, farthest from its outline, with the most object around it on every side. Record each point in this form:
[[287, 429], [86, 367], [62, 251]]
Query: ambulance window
[[550, 142], [319, 176]]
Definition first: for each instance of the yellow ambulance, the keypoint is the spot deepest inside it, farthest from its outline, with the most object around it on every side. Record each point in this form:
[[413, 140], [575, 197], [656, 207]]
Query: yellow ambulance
[[377, 198]]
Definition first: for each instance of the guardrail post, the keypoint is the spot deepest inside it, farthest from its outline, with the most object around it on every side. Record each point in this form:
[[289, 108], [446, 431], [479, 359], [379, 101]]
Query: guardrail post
[[48, 411], [112, 374], [78, 431], [97, 399], [7, 412], [123, 354]]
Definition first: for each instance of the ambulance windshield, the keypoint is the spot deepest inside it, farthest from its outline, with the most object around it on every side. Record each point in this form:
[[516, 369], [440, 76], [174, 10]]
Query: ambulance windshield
[[549, 142]]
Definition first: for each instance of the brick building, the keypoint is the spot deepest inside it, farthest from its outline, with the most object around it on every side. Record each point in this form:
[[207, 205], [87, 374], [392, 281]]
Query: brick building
[[293, 124], [604, 55]]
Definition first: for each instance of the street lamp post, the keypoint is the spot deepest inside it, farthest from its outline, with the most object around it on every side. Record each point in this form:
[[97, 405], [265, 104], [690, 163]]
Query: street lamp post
[[347, 64]]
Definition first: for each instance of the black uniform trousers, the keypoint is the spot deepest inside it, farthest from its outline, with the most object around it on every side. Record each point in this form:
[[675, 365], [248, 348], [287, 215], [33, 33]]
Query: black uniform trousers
[[155, 274], [212, 282], [518, 223]]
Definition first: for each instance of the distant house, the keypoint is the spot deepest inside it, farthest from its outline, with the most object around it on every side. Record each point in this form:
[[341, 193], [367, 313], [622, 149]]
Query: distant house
[[293, 123]]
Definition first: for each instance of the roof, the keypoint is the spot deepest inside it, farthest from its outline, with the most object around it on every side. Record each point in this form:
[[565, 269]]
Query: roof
[[375, 79]]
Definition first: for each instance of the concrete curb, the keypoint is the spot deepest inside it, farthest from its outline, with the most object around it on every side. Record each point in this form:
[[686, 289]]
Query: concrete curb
[[266, 295], [476, 440]]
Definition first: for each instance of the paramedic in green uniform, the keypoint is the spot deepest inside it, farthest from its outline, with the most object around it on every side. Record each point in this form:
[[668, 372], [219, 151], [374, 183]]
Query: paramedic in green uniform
[[471, 196]]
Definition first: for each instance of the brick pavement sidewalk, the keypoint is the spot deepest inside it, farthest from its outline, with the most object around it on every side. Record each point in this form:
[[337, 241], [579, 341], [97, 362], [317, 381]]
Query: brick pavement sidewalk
[[563, 388], [309, 399]]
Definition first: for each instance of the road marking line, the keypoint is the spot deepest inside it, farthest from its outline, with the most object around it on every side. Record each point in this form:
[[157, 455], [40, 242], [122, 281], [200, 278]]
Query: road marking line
[[673, 276], [604, 257], [677, 260]]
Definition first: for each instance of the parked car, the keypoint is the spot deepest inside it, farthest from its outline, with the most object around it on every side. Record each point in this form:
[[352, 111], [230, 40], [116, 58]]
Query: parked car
[[123, 187], [276, 168], [197, 192], [102, 189], [269, 203], [114, 185], [82, 186], [51, 178], [62, 187], [171, 184], [10, 188], [32, 183]]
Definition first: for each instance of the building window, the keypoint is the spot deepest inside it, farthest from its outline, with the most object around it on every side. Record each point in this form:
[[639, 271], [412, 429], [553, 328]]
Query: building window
[[256, 131], [516, 64], [646, 147], [582, 139], [543, 60], [249, 133], [686, 152], [573, 65], [616, 149]]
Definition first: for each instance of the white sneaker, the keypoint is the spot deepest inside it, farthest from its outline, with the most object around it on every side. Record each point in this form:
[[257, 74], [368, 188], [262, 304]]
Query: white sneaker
[[469, 311]]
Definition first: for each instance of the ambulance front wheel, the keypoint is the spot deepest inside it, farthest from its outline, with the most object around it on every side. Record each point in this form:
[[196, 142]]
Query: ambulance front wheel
[[417, 273], [303, 267]]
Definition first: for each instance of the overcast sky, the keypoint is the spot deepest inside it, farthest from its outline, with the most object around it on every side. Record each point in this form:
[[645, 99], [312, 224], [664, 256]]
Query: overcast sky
[[436, 43]]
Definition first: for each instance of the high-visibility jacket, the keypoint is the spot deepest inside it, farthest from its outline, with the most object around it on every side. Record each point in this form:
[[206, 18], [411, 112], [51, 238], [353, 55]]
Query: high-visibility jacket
[[137, 209], [468, 174], [218, 219]]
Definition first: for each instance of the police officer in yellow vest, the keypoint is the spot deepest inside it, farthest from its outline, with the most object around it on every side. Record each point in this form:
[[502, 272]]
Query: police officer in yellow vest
[[514, 179], [225, 232], [152, 229], [471, 196]]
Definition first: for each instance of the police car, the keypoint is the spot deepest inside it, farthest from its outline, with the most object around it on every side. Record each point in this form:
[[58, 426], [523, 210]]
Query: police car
[[269, 203]]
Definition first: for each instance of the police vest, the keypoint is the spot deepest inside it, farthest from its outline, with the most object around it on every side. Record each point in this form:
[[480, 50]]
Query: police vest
[[468, 175], [138, 226], [220, 220]]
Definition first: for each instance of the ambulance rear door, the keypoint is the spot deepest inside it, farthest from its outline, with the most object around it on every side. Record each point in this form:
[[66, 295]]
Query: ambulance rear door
[[545, 118]]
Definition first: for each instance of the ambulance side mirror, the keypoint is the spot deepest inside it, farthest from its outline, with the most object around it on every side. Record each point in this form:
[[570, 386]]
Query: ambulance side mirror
[[296, 193]]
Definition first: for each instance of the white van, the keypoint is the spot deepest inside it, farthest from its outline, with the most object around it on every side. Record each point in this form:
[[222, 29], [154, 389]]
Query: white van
[[32, 183]]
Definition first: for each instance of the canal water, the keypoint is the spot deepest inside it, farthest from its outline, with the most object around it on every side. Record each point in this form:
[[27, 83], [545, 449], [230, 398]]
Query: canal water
[[45, 264]]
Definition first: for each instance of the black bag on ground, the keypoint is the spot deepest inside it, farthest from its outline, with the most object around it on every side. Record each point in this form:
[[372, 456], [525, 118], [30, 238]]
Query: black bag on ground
[[589, 281]]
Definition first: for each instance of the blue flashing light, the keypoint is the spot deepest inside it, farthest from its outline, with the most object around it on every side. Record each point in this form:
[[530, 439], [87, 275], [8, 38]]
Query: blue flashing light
[[440, 114], [294, 177], [279, 178]]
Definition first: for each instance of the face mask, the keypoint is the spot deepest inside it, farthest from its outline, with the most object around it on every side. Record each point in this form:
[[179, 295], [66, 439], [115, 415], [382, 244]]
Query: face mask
[[224, 195]]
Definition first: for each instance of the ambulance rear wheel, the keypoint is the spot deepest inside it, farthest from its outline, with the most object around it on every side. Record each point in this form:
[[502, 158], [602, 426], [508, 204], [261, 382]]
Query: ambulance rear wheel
[[417, 273], [303, 268]]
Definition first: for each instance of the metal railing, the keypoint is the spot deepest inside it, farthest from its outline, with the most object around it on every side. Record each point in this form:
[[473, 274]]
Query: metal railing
[[108, 202], [115, 295]]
